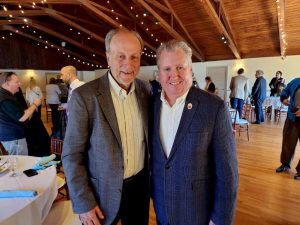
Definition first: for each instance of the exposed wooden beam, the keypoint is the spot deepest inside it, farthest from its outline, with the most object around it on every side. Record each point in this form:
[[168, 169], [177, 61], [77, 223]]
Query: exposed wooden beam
[[227, 24], [12, 21], [159, 6], [129, 13], [218, 23], [61, 18], [63, 37], [167, 27], [281, 26], [72, 2], [12, 29], [109, 10], [191, 40], [26, 13]]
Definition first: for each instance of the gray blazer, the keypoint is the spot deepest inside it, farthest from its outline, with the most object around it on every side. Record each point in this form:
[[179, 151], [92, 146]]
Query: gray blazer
[[92, 153], [239, 87], [198, 181]]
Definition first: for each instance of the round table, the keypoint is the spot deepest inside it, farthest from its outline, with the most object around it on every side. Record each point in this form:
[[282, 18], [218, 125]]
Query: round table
[[33, 211]]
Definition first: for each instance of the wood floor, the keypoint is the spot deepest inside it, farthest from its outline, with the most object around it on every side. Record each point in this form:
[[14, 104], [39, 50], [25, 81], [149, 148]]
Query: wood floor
[[264, 197]]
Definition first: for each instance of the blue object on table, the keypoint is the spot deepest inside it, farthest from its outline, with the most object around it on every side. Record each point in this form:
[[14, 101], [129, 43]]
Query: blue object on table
[[46, 159], [17, 193], [44, 166]]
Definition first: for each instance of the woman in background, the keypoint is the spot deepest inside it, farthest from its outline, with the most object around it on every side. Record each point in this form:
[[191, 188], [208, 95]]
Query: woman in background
[[33, 92], [52, 99], [277, 84], [210, 86]]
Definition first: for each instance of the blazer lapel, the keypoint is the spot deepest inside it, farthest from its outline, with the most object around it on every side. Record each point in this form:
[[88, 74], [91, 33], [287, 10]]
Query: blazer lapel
[[142, 100], [107, 106], [189, 110]]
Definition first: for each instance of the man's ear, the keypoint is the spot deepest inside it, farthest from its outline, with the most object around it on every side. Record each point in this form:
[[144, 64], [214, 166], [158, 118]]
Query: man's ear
[[107, 57]]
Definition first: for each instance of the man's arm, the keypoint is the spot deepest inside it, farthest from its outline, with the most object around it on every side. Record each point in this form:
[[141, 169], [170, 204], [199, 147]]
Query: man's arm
[[75, 156], [226, 170], [28, 112]]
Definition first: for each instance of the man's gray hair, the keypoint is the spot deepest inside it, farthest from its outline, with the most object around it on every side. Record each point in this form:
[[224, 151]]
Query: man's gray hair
[[113, 32], [5, 76], [173, 45], [260, 72]]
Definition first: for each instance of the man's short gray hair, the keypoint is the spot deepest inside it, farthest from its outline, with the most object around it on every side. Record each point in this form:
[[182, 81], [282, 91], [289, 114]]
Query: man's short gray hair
[[260, 72], [173, 45], [113, 32]]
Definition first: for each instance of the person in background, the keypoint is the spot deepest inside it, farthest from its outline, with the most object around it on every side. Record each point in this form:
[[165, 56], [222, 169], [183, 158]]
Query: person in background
[[33, 92], [12, 115], [195, 83], [193, 155], [155, 85], [258, 94], [240, 91], [105, 153], [52, 99], [63, 97], [276, 84], [290, 96], [210, 86], [69, 76]]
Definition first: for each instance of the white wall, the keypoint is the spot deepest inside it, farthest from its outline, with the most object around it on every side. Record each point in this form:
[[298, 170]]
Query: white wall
[[40, 76], [288, 66]]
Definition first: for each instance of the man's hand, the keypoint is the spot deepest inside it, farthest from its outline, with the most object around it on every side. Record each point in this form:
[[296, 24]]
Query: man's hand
[[92, 217], [286, 102], [211, 222], [297, 113], [37, 101]]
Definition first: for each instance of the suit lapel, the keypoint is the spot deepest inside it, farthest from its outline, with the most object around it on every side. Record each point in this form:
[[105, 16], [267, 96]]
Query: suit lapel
[[107, 106], [142, 100], [189, 110]]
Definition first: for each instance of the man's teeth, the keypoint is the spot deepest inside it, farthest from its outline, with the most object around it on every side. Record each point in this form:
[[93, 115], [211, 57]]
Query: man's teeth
[[175, 83]]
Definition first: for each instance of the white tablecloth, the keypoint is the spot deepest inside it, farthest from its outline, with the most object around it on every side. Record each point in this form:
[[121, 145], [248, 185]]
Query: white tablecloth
[[33, 211], [273, 101]]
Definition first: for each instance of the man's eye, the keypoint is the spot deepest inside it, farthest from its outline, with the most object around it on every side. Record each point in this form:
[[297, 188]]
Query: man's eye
[[167, 69]]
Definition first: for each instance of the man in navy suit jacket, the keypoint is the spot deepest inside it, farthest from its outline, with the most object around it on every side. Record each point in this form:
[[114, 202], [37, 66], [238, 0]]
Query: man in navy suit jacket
[[259, 91], [193, 153]]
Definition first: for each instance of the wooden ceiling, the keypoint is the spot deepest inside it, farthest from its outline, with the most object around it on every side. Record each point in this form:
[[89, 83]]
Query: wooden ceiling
[[49, 34]]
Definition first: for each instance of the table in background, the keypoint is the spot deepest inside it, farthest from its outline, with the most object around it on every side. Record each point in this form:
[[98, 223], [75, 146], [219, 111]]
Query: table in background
[[33, 211]]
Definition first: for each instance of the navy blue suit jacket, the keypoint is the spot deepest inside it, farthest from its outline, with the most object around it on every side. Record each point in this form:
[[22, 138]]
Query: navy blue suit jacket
[[198, 181], [259, 89]]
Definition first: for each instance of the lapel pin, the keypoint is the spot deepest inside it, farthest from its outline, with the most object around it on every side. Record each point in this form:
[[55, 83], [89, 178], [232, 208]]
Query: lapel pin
[[189, 106]]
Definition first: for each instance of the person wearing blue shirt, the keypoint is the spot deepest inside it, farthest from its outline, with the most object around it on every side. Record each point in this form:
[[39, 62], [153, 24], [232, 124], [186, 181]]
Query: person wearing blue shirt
[[290, 96]]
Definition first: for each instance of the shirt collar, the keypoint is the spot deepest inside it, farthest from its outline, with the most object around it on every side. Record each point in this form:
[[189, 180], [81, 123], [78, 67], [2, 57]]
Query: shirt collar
[[178, 101], [118, 90], [73, 83]]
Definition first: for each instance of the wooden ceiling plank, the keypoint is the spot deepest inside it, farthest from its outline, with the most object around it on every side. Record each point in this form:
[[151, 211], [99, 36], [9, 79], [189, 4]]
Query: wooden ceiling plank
[[14, 21], [63, 37], [191, 40], [167, 27], [159, 6], [74, 18], [216, 20], [11, 28], [54, 14]]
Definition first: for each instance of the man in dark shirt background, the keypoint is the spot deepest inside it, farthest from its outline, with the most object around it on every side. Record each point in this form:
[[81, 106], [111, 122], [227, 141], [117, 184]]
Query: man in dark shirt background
[[12, 115]]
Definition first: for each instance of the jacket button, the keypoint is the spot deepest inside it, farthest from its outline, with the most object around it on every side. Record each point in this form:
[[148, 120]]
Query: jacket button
[[120, 190], [168, 167]]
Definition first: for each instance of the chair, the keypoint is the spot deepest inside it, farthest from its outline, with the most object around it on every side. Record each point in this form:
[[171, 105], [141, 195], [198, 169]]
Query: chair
[[61, 213], [239, 125], [3, 150], [281, 111], [56, 147], [48, 111]]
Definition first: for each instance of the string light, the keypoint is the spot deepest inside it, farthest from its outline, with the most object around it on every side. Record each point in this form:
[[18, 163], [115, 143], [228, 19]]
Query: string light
[[282, 34]]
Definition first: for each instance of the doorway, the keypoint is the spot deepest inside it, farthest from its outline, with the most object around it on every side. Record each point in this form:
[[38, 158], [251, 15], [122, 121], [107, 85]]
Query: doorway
[[218, 76]]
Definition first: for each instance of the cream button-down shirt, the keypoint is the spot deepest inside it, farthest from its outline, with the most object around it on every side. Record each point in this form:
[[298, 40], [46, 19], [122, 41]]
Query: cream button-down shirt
[[169, 121], [130, 126]]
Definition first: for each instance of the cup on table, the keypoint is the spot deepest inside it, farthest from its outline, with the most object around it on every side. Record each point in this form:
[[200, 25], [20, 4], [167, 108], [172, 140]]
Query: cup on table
[[13, 165]]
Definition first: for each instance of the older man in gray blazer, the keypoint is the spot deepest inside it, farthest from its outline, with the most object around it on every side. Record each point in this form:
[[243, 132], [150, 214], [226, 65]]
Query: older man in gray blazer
[[193, 156], [105, 152]]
